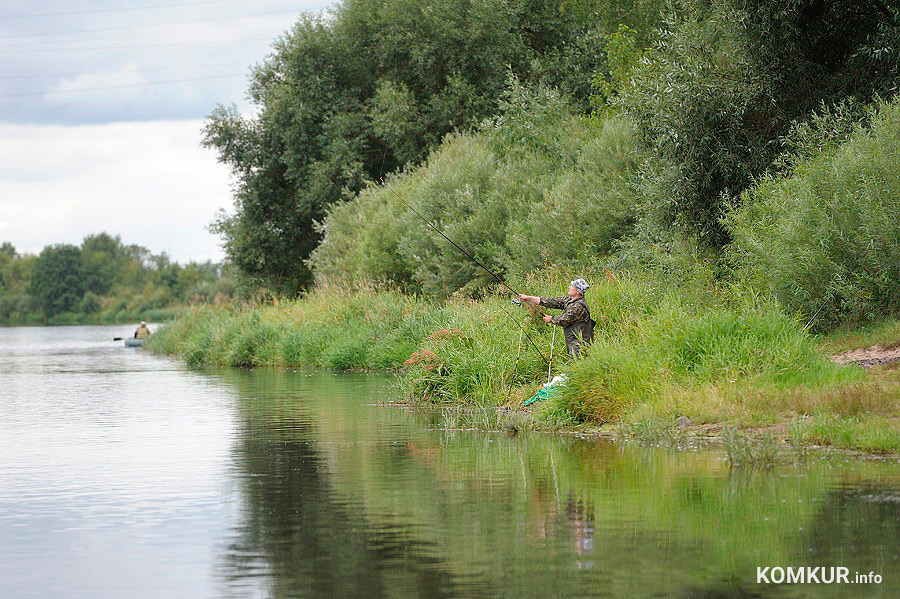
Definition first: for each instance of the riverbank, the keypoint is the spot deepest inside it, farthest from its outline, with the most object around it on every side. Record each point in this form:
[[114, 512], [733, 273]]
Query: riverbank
[[712, 356]]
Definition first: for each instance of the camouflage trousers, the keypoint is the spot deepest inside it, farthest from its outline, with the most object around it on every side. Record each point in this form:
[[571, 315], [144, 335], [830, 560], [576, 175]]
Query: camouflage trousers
[[573, 342]]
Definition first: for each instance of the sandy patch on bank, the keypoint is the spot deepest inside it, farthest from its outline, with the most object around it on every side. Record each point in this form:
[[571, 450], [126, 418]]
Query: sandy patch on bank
[[870, 356]]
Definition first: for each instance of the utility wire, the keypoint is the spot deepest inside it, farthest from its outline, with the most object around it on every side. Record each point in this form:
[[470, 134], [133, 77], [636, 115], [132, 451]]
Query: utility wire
[[67, 44], [108, 10], [94, 89], [151, 25], [142, 70], [188, 44]]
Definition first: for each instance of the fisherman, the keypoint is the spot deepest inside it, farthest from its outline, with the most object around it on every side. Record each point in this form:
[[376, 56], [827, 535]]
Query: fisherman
[[142, 331], [575, 318]]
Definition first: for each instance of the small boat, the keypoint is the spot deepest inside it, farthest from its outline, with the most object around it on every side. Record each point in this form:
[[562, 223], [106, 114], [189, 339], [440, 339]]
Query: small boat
[[132, 342]]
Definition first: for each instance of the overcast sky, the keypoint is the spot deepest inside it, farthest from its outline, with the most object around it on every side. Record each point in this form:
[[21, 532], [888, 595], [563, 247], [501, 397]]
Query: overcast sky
[[101, 105]]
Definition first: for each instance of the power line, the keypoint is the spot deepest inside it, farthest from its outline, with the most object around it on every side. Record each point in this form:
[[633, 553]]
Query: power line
[[188, 44], [194, 21], [94, 89], [65, 44], [143, 70], [108, 10]]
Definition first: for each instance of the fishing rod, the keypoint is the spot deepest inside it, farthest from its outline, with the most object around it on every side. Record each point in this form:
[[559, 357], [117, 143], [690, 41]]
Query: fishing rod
[[453, 243], [827, 299], [470, 257]]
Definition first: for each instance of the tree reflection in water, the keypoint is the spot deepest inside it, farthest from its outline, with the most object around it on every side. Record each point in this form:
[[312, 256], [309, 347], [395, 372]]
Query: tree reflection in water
[[342, 498]]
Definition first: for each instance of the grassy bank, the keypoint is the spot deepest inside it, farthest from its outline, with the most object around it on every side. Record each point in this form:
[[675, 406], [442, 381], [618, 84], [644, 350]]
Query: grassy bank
[[660, 353]]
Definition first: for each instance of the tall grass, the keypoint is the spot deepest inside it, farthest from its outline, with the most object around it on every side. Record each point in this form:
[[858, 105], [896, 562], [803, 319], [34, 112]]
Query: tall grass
[[367, 327], [660, 352], [676, 353]]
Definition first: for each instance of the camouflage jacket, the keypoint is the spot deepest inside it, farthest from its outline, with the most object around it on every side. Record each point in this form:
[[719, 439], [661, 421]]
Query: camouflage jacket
[[574, 310]]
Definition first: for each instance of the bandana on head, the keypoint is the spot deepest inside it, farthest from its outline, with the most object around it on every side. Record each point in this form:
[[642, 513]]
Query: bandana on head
[[581, 285]]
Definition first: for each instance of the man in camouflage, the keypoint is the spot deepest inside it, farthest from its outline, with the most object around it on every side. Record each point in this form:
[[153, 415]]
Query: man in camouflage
[[575, 318]]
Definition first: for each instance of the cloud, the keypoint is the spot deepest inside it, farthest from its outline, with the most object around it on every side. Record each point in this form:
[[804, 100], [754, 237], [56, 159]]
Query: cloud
[[127, 74], [105, 90], [47, 63], [149, 182]]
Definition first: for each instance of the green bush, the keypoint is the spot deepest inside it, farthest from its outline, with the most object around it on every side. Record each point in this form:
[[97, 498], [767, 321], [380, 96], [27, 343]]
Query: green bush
[[537, 186], [825, 239], [161, 314], [90, 303], [727, 78], [348, 353], [303, 346]]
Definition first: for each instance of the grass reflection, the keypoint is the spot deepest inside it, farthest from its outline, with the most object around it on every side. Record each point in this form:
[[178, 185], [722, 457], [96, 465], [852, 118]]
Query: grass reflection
[[345, 497]]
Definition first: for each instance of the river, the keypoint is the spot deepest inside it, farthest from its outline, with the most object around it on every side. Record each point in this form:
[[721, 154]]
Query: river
[[128, 474]]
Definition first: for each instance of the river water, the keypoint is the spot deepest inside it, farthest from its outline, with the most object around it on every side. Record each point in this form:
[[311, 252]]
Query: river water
[[124, 474]]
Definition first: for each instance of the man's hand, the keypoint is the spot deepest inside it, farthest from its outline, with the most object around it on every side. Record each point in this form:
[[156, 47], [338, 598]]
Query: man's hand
[[530, 298], [547, 318]]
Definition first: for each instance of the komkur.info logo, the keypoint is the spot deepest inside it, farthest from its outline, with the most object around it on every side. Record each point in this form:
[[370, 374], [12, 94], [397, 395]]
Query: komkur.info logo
[[810, 575]]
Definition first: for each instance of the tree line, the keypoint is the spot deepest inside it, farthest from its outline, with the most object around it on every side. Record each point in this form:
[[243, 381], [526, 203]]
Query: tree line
[[102, 280], [712, 86], [372, 88]]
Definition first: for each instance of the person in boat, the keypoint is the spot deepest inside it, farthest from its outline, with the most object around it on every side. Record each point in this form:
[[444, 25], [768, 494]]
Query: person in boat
[[142, 331], [575, 319]]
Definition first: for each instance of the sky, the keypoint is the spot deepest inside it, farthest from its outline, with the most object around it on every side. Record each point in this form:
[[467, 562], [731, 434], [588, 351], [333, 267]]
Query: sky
[[101, 108]]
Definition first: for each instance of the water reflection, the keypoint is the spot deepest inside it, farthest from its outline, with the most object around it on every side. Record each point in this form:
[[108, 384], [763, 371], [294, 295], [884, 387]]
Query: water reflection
[[125, 474], [306, 537], [353, 500]]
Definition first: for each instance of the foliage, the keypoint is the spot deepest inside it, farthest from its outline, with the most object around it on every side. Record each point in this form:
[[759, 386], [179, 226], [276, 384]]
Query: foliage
[[536, 186], [103, 280], [56, 279], [745, 451], [872, 433], [641, 17], [639, 359], [884, 332], [102, 257], [825, 238], [661, 351], [727, 78], [346, 98], [623, 55], [343, 328]]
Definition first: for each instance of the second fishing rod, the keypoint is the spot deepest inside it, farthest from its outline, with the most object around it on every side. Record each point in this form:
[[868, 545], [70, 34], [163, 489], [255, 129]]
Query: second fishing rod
[[473, 259]]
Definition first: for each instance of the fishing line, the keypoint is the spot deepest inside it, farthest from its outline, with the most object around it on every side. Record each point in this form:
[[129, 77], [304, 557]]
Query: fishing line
[[473, 259], [550, 365], [518, 353], [824, 303], [453, 243]]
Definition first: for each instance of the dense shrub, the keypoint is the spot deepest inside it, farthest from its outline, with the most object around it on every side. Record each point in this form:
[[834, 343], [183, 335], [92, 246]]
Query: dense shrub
[[676, 347], [826, 238], [103, 280], [727, 78], [338, 327], [537, 186]]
